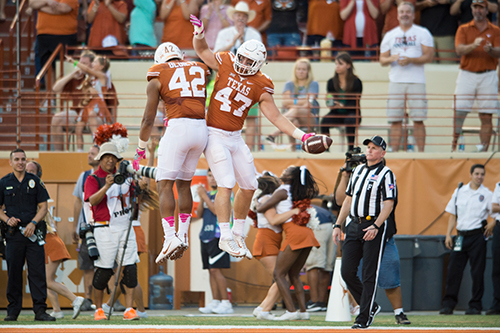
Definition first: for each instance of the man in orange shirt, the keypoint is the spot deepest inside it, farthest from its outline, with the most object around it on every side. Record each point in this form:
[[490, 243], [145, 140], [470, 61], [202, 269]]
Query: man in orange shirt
[[239, 84], [478, 45], [182, 86], [108, 19], [57, 23]]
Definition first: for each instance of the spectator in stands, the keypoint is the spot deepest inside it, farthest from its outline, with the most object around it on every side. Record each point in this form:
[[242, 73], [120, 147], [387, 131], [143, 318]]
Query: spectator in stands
[[318, 28], [478, 45], [229, 39], [360, 29], [406, 49], [108, 19], [69, 86], [95, 111], [55, 253], [298, 95], [142, 17], [263, 15], [462, 8], [2, 10], [56, 23], [177, 29], [320, 262], [284, 27], [214, 17], [344, 105], [435, 16], [389, 8]]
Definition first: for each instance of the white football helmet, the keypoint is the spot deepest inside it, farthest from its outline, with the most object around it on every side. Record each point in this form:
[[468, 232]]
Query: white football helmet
[[167, 51], [253, 50]]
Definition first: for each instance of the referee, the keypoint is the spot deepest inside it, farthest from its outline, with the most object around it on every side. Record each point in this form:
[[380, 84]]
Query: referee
[[371, 196]]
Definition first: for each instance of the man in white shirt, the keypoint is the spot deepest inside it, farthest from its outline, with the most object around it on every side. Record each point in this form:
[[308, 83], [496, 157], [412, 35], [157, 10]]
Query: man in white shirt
[[407, 48], [230, 38], [469, 207]]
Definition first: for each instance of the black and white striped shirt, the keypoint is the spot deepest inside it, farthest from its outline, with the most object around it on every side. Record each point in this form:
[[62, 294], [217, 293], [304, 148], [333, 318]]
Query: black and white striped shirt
[[369, 187]]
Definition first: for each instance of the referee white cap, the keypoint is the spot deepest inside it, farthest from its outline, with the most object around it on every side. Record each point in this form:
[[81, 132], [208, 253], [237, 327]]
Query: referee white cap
[[377, 141]]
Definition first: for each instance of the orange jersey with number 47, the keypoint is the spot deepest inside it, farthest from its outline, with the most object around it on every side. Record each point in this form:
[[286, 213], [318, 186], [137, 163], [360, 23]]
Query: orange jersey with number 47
[[183, 87], [234, 95]]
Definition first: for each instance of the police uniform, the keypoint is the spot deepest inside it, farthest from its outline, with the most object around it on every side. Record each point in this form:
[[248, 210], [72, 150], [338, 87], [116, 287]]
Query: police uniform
[[495, 275], [21, 200], [369, 187], [473, 207]]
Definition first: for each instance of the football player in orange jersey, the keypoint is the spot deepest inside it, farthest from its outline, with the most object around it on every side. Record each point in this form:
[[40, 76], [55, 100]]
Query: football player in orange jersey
[[182, 86], [239, 84]]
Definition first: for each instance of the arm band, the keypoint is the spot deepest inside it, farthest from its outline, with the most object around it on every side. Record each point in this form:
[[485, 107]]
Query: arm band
[[376, 226], [298, 134], [34, 222], [295, 102], [337, 226], [142, 144], [75, 63]]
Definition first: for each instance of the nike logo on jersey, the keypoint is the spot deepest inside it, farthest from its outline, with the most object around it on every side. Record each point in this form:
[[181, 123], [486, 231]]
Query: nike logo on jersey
[[240, 87], [213, 260]]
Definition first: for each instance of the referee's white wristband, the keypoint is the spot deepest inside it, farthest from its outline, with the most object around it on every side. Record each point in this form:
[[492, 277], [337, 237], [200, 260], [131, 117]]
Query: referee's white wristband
[[298, 134], [142, 144]]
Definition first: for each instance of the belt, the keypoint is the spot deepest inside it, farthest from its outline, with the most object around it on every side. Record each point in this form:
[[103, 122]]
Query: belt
[[470, 232], [486, 71], [101, 224], [356, 219]]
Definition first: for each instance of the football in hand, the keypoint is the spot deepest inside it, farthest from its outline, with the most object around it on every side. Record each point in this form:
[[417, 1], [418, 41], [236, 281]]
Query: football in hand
[[317, 144]]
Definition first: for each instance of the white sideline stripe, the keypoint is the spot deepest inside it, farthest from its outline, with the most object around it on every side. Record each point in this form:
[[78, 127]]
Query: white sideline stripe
[[218, 327]]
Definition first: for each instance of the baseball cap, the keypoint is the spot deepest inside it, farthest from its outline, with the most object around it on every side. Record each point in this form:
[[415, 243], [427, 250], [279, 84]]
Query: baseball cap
[[377, 141], [109, 148], [480, 3]]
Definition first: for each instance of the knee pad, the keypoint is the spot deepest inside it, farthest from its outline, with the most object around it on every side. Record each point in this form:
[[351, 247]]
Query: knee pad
[[130, 276], [459, 120], [101, 278]]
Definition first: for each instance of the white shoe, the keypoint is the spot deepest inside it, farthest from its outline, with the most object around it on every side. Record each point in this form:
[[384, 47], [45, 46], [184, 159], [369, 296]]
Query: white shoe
[[230, 246], [170, 246], [240, 240], [77, 304], [304, 316], [181, 249], [209, 307], [105, 308], [223, 308], [142, 315], [256, 311], [57, 315], [288, 316], [265, 315]]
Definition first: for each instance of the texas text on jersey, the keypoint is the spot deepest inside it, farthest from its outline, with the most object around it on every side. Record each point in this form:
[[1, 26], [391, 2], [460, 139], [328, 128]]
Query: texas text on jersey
[[182, 87], [234, 95]]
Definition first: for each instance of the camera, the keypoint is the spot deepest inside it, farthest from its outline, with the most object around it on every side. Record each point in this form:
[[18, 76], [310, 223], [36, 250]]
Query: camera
[[87, 234], [126, 170], [121, 174], [353, 158]]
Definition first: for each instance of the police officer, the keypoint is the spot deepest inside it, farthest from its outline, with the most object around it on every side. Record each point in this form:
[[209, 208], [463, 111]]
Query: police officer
[[469, 208], [24, 200], [371, 194], [493, 228]]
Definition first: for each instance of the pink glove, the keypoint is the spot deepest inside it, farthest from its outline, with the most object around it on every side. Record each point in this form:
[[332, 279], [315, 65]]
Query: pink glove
[[199, 29], [307, 136], [140, 153], [165, 121]]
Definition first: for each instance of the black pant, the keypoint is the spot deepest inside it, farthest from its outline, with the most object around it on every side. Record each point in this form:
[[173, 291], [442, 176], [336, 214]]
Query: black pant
[[341, 117], [474, 251], [496, 267], [18, 250], [353, 250]]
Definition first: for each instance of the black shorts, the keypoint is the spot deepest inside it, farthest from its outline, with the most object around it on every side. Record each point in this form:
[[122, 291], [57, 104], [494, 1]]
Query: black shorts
[[213, 257], [84, 261], [48, 43]]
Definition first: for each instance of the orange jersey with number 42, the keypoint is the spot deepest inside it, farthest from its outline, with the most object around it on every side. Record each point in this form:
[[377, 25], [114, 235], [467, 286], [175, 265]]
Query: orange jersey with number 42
[[183, 87], [234, 95]]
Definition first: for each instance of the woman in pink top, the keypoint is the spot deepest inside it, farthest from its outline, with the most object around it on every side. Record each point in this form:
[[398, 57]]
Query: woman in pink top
[[214, 17]]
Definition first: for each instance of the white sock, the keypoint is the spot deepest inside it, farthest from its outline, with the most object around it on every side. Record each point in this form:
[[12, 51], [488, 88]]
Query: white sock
[[168, 224], [398, 311], [239, 227], [225, 301], [184, 220], [225, 230], [127, 309]]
